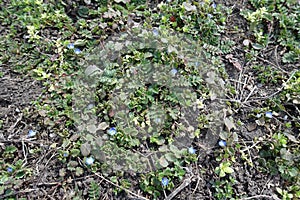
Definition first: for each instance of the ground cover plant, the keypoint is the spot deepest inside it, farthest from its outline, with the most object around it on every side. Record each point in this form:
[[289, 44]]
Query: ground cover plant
[[136, 99]]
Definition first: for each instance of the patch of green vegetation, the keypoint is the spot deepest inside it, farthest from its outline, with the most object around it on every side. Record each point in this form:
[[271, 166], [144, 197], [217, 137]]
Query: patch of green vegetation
[[279, 156], [284, 160], [50, 40], [275, 22], [267, 74], [291, 91]]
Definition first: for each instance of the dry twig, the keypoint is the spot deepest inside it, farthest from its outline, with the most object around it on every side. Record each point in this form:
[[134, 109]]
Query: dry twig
[[185, 183]]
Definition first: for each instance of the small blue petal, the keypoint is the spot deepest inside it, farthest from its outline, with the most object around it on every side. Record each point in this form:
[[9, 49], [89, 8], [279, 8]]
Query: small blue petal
[[192, 150], [9, 169], [65, 155], [31, 133], [209, 15], [155, 32], [269, 115], [71, 46], [214, 5], [90, 106], [222, 143], [77, 51], [165, 181], [112, 131], [174, 72], [157, 120], [285, 117], [89, 161]]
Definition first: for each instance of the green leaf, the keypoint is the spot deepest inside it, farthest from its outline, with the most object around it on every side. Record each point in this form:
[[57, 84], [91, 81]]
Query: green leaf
[[228, 170], [79, 42], [20, 174], [75, 152], [85, 149], [158, 140], [103, 126], [293, 172], [163, 162], [10, 149], [78, 171], [130, 131], [257, 46], [173, 148], [229, 123], [222, 173], [3, 179], [170, 157], [279, 190], [91, 128]]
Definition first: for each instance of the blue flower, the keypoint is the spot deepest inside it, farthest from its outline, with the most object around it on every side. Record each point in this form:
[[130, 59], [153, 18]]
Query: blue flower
[[89, 161], [10, 170], [165, 181], [192, 150], [157, 120], [214, 6], [71, 46], [155, 32], [90, 106], [222, 143], [285, 117], [112, 131], [65, 154], [269, 115], [31, 133], [209, 15], [174, 72], [77, 51]]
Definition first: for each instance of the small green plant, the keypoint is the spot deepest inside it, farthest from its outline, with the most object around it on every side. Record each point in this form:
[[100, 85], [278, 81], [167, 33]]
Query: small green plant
[[281, 159], [267, 74], [11, 176], [9, 151], [94, 190], [274, 20], [224, 188], [285, 194], [224, 168]]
